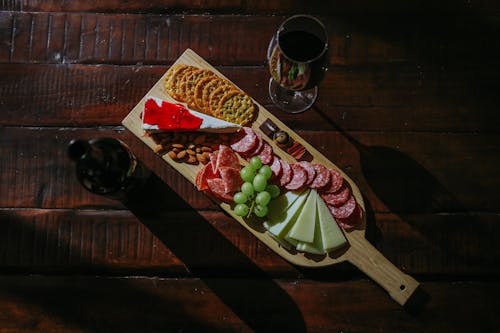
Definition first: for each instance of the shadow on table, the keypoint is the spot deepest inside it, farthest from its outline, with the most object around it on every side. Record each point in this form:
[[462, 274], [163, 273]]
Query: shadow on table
[[247, 290]]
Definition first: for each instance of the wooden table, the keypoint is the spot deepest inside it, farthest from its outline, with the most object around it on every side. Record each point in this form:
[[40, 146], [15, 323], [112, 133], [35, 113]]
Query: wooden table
[[408, 109]]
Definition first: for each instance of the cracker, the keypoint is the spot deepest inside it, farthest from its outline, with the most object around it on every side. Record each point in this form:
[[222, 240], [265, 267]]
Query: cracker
[[207, 91], [217, 95], [236, 107], [191, 81], [198, 92], [175, 84]]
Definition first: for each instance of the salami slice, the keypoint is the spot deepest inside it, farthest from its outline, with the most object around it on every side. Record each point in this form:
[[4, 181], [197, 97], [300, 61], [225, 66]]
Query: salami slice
[[244, 141], [266, 154], [213, 161], [203, 175], [299, 178], [344, 211], [310, 171], [226, 158], [216, 187], [257, 148], [276, 167], [231, 179], [338, 198], [322, 178], [336, 182], [352, 221], [286, 173]]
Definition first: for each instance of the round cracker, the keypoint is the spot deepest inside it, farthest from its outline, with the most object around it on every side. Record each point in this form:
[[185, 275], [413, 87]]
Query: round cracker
[[191, 81], [198, 92], [213, 84], [236, 107], [217, 95], [176, 82]]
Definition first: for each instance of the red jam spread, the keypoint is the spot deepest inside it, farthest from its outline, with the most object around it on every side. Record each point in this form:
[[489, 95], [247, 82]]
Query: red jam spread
[[170, 116]]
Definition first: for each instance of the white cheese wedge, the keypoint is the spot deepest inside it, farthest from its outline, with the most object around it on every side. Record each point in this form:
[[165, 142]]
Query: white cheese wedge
[[303, 229], [208, 124], [283, 223], [331, 235], [278, 206], [316, 247]]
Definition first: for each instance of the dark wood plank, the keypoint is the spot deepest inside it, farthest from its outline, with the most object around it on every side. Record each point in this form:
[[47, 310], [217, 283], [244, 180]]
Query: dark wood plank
[[253, 7], [397, 172], [442, 41], [374, 98], [76, 304], [204, 243]]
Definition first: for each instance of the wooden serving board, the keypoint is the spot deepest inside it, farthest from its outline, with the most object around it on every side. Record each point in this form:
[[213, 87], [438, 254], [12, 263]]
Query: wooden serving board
[[359, 251]]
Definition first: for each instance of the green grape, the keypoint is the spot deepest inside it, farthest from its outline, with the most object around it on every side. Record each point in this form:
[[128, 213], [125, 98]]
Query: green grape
[[263, 198], [259, 183], [240, 198], [247, 188], [273, 190], [255, 162], [260, 210], [241, 209], [247, 173], [266, 171]]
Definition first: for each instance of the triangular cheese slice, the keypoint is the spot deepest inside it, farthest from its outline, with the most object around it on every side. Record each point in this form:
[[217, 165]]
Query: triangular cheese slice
[[164, 116]]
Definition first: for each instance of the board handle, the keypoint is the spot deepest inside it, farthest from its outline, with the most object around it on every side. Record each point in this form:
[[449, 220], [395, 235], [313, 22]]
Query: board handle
[[369, 260]]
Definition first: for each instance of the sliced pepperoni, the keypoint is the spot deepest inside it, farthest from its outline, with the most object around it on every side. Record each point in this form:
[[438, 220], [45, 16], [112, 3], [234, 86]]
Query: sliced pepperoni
[[276, 167], [216, 187], [286, 173], [338, 198], [336, 182], [256, 148], [322, 178], [352, 221], [231, 179], [213, 161], [344, 211], [311, 172], [226, 158], [266, 154], [244, 140], [299, 178], [203, 175]]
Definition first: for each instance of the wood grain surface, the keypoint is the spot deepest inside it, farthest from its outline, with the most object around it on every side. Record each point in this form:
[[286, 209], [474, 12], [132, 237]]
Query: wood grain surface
[[409, 105]]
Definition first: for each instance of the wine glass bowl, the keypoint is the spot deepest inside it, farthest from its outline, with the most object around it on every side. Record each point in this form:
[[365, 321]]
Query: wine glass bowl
[[297, 58]]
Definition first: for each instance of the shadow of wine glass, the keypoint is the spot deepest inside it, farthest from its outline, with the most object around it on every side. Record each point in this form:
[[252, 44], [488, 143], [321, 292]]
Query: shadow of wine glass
[[239, 283]]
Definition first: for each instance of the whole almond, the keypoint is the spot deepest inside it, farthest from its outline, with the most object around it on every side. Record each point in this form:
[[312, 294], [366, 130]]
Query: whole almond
[[158, 149], [172, 155], [191, 152], [178, 145], [201, 158], [192, 160], [181, 154], [206, 149]]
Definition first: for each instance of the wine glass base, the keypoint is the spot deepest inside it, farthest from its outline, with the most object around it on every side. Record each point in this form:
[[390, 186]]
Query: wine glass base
[[292, 101]]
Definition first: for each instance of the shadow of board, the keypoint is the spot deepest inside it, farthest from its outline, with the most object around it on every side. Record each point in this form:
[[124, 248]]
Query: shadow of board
[[113, 304], [248, 291]]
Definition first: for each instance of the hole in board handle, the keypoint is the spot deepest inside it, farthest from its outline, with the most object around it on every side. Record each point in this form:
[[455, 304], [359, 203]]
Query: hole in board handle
[[402, 287]]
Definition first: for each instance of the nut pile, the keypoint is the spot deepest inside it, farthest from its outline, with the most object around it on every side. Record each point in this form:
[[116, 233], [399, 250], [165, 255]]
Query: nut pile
[[191, 148]]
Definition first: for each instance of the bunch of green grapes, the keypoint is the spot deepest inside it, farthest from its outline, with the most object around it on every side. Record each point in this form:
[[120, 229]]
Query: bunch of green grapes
[[255, 193]]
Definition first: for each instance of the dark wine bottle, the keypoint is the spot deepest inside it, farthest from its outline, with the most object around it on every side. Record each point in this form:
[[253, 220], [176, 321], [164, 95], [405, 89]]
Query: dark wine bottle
[[106, 166]]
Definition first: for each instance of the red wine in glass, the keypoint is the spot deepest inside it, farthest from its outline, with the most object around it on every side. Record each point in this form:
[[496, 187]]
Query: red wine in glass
[[297, 58]]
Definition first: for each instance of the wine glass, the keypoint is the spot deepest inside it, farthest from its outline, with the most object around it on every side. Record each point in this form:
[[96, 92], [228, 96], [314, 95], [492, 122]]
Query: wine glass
[[298, 58]]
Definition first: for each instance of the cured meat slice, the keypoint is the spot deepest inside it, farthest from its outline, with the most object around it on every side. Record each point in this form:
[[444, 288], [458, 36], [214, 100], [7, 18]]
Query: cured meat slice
[[231, 179], [216, 187], [276, 167], [244, 141], [226, 158], [266, 154], [344, 211], [299, 178], [203, 175], [257, 148], [336, 182], [286, 173], [322, 178], [352, 221], [213, 161], [310, 171], [338, 198]]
